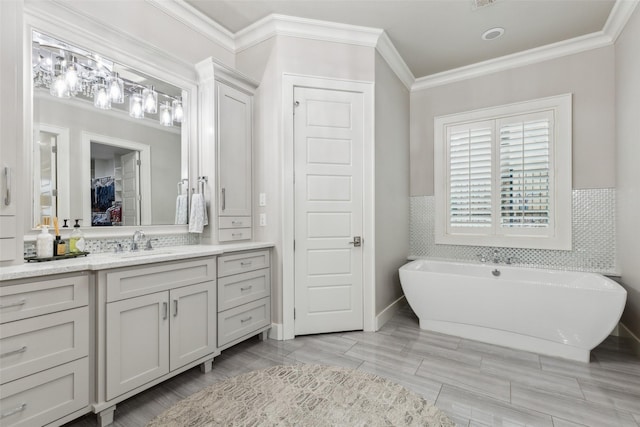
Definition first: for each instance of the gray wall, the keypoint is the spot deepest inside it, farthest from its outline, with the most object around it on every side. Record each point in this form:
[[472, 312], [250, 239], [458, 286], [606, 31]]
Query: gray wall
[[391, 183], [588, 75], [627, 50]]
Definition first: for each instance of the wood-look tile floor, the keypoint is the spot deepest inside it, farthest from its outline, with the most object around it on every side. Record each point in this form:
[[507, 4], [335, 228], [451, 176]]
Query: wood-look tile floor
[[476, 384]]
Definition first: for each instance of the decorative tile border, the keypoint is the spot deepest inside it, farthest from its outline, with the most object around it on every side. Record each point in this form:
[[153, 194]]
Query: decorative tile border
[[593, 233], [107, 244]]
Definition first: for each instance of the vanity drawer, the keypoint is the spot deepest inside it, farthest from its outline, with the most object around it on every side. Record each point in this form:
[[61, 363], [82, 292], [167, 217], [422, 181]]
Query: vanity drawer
[[242, 262], [131, 282], [231, 234], [240, 321], [234, 221], [42, 342], [35, 298], [44, 397], [242, 288]]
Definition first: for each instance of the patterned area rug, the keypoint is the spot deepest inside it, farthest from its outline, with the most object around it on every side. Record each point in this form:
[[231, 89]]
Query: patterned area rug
[[303, 395]]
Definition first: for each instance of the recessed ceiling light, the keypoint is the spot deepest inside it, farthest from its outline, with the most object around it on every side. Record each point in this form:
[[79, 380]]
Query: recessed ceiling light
[[493, 33]]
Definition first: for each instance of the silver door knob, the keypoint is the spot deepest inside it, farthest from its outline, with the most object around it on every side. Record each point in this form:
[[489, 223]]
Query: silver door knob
[[357, 241]]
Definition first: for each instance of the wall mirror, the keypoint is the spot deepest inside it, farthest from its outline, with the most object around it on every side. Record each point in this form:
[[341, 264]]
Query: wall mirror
[[109, 146]]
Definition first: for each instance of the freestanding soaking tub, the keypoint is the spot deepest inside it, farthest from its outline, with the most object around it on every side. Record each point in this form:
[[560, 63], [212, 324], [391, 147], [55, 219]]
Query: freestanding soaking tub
[[557, 313]]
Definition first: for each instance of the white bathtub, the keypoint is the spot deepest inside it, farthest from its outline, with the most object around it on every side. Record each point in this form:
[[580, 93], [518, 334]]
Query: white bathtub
[[557, 313]]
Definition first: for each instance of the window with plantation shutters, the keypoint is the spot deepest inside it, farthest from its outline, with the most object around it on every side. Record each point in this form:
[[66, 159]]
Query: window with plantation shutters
[[503, 175]]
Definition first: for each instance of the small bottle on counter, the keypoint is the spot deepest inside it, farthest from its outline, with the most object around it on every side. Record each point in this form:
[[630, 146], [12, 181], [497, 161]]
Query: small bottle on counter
[[76, 241], [44, 243], [59, 246]]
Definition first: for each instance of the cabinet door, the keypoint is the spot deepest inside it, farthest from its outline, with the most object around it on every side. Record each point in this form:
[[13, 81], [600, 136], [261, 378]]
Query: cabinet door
[[193, 323], [234, 151], [137, 342]]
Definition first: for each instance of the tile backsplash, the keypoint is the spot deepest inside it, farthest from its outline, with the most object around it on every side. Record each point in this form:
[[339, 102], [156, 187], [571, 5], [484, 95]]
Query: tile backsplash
[[593, 235], [108, 244]]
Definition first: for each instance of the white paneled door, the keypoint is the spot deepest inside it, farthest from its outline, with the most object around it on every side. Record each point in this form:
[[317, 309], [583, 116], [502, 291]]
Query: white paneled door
[[328, 144]]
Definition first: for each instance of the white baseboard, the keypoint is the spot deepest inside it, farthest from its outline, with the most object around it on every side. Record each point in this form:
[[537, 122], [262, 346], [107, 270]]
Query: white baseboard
[[624, 332], [388, 312], [275, 333]]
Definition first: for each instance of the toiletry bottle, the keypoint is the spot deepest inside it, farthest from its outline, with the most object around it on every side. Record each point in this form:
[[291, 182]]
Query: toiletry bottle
[[44, 243], [76, 241], [60, 246]]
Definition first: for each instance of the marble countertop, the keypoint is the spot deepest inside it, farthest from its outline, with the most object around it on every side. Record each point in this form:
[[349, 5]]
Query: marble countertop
[[103, 261]]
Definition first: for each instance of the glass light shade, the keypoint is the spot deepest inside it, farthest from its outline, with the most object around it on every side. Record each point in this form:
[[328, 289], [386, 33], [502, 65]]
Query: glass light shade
[[59, 86], [116, 89], [101, 97], [150, 100], [178, 112], [71, 76], [136, 110], [165, 114]]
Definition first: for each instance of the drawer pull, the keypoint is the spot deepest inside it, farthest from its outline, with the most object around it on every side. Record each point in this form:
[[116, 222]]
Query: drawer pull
[[246, 263], [19, 350], [236, 223], [246, 288], [23, 301], [175, 307], [246, 320], [236, 234], [164, 310], [15, 410]]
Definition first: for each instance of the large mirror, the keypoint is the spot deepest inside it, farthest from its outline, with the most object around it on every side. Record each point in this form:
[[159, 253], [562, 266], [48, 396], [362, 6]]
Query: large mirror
[[108, 145]]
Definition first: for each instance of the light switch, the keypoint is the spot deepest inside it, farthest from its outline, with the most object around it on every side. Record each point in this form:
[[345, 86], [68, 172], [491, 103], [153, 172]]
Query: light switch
[[263, 219], [263, 199]]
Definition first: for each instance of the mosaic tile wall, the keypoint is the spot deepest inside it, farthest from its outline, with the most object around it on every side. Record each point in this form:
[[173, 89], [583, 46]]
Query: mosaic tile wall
[[108, 244], [593, 229]]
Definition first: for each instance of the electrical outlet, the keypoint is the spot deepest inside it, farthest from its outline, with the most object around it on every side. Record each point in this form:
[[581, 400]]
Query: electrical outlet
[[263, 219], [263, 199]]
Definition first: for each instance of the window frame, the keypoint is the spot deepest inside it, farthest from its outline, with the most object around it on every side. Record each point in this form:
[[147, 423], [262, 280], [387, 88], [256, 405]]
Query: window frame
[[558, 233]]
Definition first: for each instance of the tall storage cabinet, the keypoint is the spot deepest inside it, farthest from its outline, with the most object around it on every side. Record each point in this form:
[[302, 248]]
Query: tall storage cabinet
[[226, 106]]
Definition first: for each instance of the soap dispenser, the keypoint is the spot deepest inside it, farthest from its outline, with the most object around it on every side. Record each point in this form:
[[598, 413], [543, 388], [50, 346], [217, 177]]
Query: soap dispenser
[[76, 241], [44, 243]]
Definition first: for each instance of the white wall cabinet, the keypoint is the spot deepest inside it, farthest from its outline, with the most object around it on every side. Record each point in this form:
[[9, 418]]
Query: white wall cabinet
[[44, 350], [154, 321], [226, 105]]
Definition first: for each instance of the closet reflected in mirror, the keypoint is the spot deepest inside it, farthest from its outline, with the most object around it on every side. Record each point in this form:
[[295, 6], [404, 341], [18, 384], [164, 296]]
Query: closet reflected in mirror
[[108, 140]]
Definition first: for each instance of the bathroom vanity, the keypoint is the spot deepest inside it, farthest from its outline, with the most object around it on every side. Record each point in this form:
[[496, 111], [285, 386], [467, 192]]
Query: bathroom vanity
[[82, 335]]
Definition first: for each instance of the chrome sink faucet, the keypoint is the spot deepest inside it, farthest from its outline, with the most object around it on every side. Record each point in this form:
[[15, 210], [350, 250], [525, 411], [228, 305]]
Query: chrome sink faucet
[[137, 235]]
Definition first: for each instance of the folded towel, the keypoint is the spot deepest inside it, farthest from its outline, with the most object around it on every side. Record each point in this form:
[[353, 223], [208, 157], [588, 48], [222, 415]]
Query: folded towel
[[181, 209], [198, 218]]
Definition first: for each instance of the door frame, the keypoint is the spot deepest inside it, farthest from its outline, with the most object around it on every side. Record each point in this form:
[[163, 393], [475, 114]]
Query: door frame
[[289, 83]]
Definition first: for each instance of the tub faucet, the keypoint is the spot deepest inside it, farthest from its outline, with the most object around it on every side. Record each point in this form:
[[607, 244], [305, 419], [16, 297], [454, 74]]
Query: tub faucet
[[137, 235]]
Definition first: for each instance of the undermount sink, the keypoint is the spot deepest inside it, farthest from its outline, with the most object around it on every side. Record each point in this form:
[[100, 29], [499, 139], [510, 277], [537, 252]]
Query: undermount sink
[[142, 253]]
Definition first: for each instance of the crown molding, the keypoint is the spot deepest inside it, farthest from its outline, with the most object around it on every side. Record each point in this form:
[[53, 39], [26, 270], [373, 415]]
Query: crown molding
[[618, 18], [620, 14], [198, 21], [388, 51]]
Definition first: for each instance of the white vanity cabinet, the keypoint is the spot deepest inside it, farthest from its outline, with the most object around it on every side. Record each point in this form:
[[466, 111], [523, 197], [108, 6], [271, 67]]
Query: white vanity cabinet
[[226, 105], [154, 321], [244, 296], [44, 350]]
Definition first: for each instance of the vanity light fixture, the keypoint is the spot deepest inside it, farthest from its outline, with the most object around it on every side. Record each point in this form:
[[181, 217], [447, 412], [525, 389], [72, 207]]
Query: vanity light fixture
[[136, 110], [71, 77], [178, 112], [59, 86], [116, 89], [101, 98], [165, 114], [150, 99]]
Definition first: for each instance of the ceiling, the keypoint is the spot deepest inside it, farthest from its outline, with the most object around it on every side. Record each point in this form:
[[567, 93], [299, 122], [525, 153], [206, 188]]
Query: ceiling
[[434, 35]]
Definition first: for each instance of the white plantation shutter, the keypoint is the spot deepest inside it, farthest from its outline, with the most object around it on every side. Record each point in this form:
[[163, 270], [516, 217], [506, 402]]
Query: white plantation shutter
[[502, 175], [470, 175], [525, 178]]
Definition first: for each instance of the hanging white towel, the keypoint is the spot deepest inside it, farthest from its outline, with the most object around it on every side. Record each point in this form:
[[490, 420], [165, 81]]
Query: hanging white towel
[[181, 209], [198, 218]]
